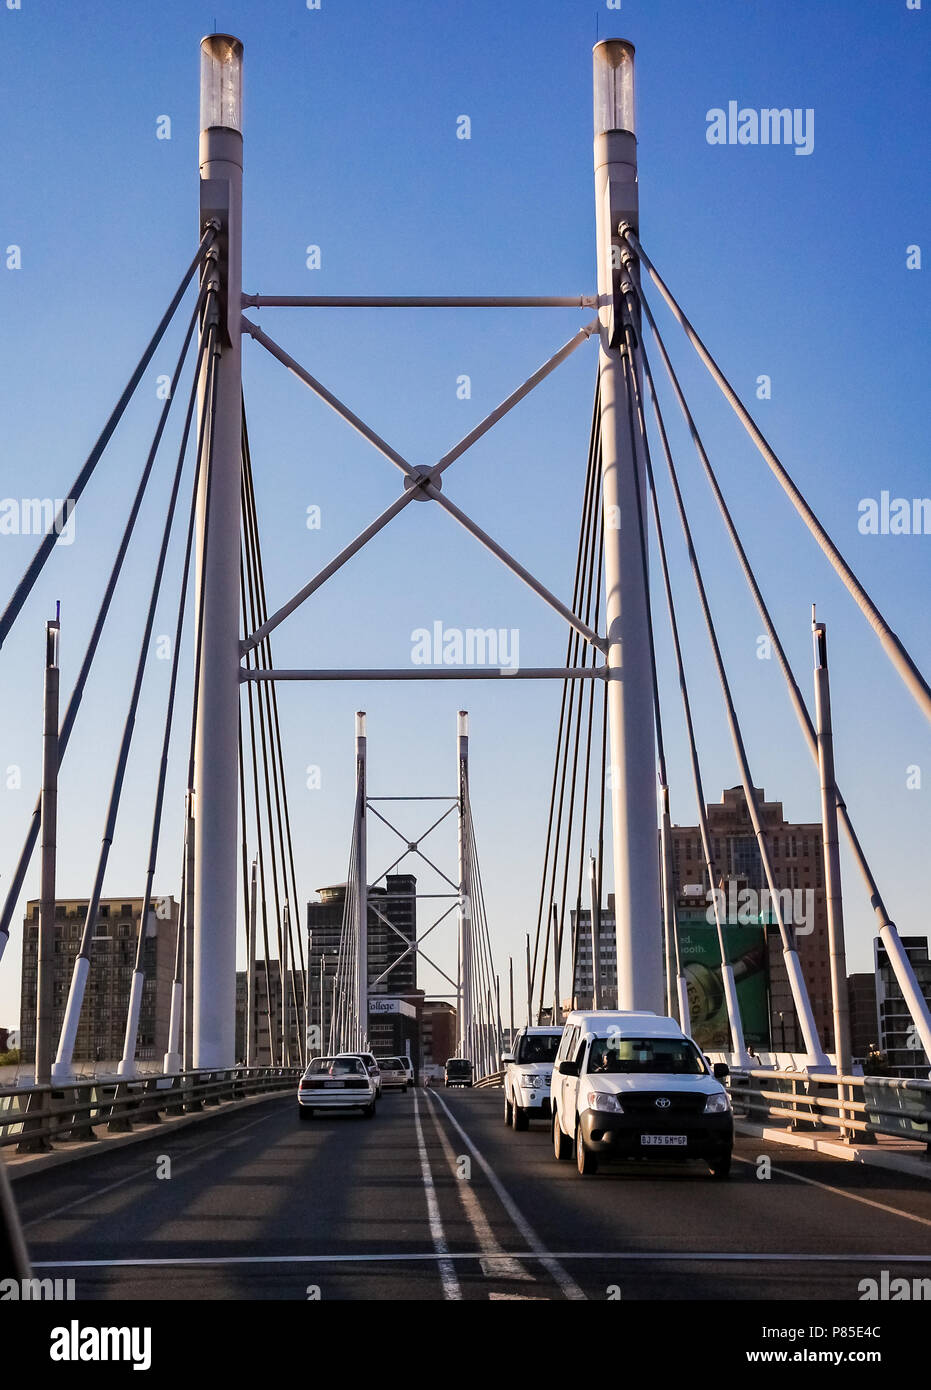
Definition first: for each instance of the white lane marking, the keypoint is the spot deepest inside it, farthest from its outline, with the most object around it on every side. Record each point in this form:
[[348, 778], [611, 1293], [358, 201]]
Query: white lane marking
[[839, 1192], [565, 1281], [519, 1297], [451, 1289], [495, 1264], [140, 1173], [390, 1257]]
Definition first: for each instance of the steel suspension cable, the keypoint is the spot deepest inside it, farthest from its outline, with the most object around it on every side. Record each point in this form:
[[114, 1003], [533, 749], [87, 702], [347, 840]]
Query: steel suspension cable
[[591, 584], [82, 962], [599, 544], [897, 955], [566, 683], [893, 647], [733, 1009], [266, 955], [598, 549], [132, 1021], [790, 955], [568, 697], [253, 608], [74, 703], [47, 544], [280, 784]]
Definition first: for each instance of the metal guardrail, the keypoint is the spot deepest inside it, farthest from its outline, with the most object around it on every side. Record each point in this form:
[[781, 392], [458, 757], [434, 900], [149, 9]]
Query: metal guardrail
[[858, 1107], [32, 1117], [494, 1078]]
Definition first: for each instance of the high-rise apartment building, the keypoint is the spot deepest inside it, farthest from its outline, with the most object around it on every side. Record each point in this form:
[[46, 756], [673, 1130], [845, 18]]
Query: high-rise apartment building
[[392, 966], [102, 1028], [898, 1036]]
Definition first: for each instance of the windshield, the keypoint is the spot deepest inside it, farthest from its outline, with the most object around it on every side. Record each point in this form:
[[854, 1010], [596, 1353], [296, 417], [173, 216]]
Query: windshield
[[458, 1064], [537, 1049], [390, 1063], [668, 1056], [335, 1066]]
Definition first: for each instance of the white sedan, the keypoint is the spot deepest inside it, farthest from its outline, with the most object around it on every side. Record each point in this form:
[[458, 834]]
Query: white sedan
[[336, 1083]]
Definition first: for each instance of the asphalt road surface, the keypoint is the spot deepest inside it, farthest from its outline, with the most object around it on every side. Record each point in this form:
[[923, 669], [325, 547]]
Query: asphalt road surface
[[435, 1199]]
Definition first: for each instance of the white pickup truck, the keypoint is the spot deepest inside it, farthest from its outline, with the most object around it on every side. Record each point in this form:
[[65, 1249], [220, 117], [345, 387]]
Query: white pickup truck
[[528, 1070], [633, 1086]]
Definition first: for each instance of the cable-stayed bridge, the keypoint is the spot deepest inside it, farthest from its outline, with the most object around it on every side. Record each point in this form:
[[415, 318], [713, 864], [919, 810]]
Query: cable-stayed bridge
[[610, 789]]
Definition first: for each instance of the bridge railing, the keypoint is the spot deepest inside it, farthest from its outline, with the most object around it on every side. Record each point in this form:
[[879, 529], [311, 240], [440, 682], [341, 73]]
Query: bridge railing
[[33, 1117], [856, 1107]]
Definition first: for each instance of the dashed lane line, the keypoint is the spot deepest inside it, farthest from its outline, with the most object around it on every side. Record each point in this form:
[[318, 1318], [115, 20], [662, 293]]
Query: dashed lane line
[[495, 1264], [567, 1284], [451, 1287]]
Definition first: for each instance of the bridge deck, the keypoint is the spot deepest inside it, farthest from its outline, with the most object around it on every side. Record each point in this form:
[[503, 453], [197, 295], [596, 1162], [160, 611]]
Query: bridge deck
[[365, 1209]]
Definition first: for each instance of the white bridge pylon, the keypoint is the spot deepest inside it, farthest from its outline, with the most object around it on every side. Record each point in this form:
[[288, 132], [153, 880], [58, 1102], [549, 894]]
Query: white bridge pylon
[[636, 879]]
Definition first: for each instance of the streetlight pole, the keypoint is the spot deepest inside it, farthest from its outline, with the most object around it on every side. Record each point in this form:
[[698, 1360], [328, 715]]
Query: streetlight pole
[[250, 968], [832, 879], [629, 688], [465, 890], [218, 556], [45, 1002], [361, 884]]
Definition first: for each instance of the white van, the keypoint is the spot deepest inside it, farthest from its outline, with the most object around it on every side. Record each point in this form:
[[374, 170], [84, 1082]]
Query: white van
[[528, 1072], [632, 1085]]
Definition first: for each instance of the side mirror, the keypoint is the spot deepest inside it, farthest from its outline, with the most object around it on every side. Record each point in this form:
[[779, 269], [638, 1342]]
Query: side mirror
[[721, 1070], [507, 1057], [568, 1068]]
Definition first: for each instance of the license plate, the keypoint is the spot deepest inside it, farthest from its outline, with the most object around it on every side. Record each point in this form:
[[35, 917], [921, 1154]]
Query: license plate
[[332, 1083], [664, 1140]]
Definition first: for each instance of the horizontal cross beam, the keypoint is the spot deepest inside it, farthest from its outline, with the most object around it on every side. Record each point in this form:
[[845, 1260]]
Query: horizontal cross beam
[[572, 673], [368, 301]]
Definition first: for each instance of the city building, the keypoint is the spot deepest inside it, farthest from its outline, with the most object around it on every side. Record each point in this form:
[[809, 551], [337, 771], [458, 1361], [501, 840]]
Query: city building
[[392, 967], [439, 1032], [798, 868], [395, 1026], [898, 1036], [583, 985], [271, 1049], [102, 1028], [864, 1015]]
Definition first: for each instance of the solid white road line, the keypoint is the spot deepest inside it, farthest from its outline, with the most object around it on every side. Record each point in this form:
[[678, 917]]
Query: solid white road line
[[565, 1281], [495, 1264], [451, 1288], [839, 1192], [391, 1257]]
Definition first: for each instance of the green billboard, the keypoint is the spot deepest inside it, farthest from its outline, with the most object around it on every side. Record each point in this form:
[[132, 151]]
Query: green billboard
[[700, 958]]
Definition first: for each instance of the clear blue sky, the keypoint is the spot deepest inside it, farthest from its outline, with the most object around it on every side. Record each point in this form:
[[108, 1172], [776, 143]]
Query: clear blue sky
[[791, 266]]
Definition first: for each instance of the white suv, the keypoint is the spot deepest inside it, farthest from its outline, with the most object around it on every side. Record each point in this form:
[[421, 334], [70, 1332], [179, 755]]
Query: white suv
[[632, 1085], [527, 1074]]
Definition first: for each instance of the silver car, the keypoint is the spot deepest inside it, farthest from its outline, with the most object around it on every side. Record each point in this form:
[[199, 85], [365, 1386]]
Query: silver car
[[393, 1072], [336, 1083]]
